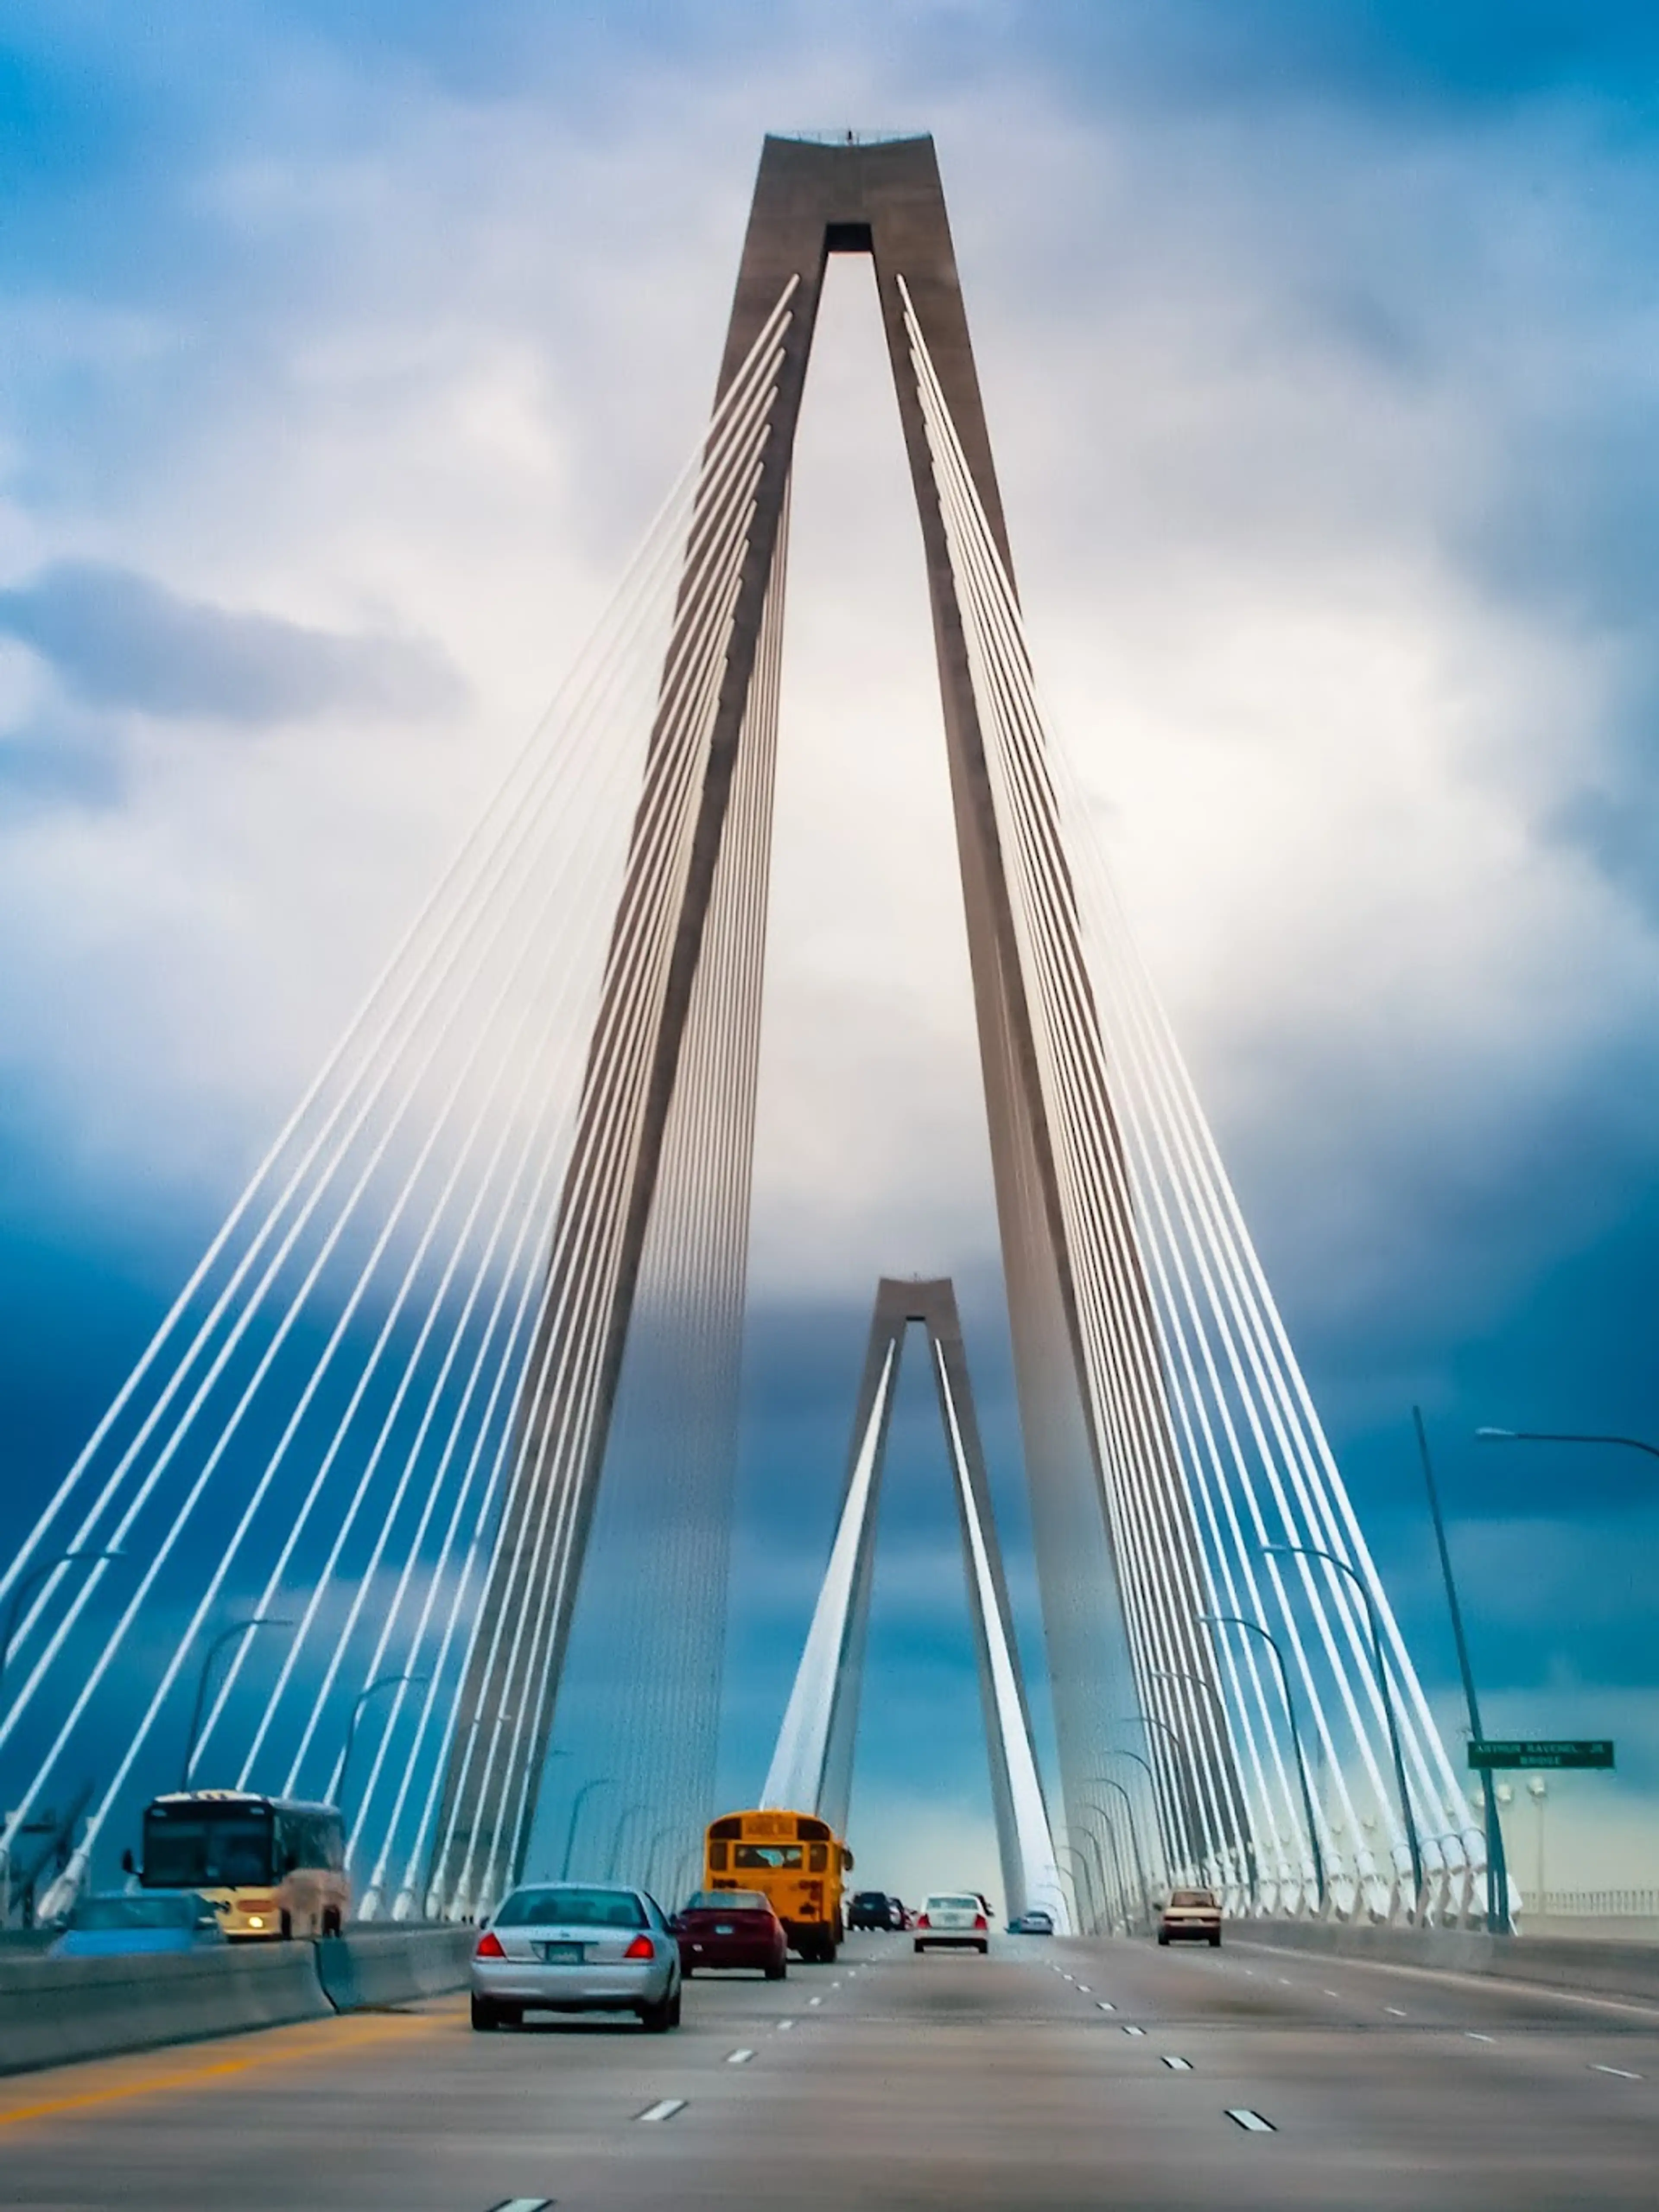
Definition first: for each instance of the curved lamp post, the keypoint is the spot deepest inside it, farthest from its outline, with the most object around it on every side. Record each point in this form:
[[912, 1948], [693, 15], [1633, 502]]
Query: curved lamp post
[[386, 1682], [610, 1865], [599, 1781], [1189, 1796], [41, 1572], [1412, 1844], [1088, 1891], [1254, 1627], [1145, 1766], [1121, 1886], [1109, 1782], [226, 1636], [1201, 1682], [1555, 1436]]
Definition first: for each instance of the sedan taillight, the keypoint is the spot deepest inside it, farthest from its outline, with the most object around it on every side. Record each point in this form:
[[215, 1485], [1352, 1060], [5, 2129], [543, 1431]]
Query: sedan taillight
[[490, 1946], [922, 1921], [641, 1947], [980, 1920]]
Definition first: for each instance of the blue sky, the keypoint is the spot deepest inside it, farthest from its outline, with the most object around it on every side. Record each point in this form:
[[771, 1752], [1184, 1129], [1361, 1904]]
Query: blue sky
[[349, 348]]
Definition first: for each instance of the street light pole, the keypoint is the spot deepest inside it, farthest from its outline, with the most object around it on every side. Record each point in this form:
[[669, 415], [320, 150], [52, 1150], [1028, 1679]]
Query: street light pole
[[1145, 1766], [616, 1840], [1122, 1882], [1072, 1851], [599, 1781], [1412, 1844], [1109, 1782], [1189, 1819], [31, 1583], [1237, 1620], [386, 1682], [1498, 1878], [1198, 1681], [1553, 1437], [226, 1636]]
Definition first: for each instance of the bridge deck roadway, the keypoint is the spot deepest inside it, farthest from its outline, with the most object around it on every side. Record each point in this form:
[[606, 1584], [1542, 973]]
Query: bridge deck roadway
[[901, 2082]]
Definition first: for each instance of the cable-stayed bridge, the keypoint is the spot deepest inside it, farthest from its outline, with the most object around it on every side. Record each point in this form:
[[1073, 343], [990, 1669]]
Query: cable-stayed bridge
[[485, 1291]]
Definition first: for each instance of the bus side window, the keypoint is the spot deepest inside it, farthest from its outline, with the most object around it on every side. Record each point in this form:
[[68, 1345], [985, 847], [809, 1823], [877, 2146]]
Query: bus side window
[[717, 1856], [818, 1857]]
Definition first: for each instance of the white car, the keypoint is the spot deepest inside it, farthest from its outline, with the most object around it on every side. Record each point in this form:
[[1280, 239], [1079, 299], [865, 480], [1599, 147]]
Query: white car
[[953, 1920], [566, 1947]]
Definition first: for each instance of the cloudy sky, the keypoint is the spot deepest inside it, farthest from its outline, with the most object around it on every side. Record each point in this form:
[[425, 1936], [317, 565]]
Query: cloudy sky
[[349, 348]]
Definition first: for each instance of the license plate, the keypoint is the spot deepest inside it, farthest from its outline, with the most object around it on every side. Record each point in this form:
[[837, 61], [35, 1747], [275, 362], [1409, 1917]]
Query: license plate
[[724, 1927], [562, 1954]]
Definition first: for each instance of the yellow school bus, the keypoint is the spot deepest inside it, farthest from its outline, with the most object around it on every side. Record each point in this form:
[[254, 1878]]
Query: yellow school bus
[[796, 1861]]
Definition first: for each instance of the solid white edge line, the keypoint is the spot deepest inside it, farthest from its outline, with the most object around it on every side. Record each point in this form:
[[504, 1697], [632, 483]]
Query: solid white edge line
[[1252, 2122], [663, 2109]]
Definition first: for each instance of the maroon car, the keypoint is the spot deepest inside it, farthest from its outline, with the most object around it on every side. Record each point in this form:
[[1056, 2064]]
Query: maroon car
[[722, 1927]]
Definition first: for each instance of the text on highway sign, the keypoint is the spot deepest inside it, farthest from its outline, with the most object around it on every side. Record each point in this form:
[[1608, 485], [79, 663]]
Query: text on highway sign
[[1596, 1751]]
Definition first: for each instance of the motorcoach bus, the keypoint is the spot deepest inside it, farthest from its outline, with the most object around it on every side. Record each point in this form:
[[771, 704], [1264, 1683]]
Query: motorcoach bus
[[272, 1867], [795, 1859]]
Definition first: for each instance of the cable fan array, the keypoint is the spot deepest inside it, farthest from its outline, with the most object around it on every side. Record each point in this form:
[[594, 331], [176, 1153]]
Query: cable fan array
[[279, 1528], [1250, 1599]]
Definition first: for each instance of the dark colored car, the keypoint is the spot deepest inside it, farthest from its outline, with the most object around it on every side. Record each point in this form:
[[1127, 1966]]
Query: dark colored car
[[724, 1927], [874, 1908]]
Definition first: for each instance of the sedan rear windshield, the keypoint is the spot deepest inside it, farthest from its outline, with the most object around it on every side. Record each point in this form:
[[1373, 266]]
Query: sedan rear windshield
[[955, 1903], [729, 1900], [1194, 1897], [571, 1908]]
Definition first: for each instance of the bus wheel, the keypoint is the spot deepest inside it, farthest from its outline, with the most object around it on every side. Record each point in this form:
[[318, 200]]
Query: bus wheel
[[287, 1929], [331, 1923]]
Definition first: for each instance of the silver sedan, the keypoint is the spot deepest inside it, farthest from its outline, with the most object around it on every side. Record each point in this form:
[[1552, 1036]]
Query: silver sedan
[[567, 1946]]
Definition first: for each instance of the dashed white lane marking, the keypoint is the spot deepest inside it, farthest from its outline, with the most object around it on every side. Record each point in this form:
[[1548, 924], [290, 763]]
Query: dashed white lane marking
[[663, 2109], [812, 2001], [1330, 1993], [1252, 2122], [1178, 2065], [782, 2023], [522, 2204], [1105, 2004], [1399, 2011], [1285, 1982], [1475, 2036], [1083, 1989], [739, 2057], [1068, 1977], [835, 1986], [1623, 2072], [1135, 2030]]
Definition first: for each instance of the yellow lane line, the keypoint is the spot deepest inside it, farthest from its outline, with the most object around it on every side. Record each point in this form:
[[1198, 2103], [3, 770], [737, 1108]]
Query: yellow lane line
[[353, 2034]]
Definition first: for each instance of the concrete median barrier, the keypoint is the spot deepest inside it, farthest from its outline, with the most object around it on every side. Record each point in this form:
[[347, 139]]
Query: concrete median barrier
[[1582, 1963], [56, 2010], [372, 1967]]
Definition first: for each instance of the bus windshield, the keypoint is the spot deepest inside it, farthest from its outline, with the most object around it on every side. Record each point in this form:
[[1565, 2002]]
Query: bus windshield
[[207, 1846], [767, 1854]]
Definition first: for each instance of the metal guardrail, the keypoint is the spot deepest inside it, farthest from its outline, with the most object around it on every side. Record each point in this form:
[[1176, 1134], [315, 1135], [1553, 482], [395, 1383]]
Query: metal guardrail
[[1598, 1905]]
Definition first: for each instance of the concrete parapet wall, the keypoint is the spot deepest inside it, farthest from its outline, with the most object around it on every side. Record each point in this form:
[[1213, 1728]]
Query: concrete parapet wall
[[371, 1966], [53, 2011], [1584, 1963]]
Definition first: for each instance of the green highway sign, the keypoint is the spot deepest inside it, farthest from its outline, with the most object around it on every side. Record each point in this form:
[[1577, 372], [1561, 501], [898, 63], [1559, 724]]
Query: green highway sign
[[1526, 1752]]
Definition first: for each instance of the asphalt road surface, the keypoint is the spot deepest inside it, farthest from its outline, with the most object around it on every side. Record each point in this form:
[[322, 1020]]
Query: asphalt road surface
[[1051, 2075]]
